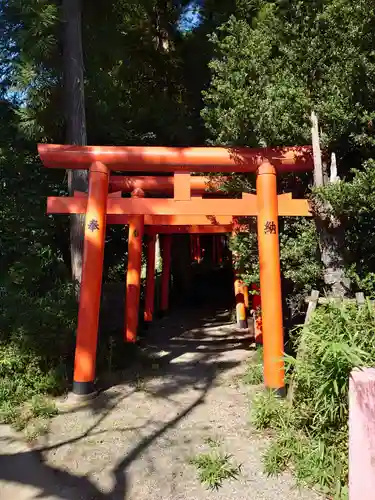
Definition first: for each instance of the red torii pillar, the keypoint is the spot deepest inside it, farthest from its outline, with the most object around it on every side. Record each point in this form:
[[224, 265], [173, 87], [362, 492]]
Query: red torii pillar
[[133, 275], [91, 284], [150, 279], [270, 277], [263, 161], [166, 248], [241, 315], [164, 231]]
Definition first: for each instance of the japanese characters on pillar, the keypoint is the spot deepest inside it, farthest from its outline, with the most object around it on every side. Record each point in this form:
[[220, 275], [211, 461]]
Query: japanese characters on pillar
[[270, 227]]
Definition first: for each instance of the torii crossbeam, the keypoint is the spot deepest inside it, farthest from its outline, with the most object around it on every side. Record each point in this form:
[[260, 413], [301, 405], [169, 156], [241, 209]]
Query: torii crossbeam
[[137, 211]]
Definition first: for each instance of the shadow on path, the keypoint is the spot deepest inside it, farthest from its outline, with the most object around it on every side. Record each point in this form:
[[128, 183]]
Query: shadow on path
[[29, 468]]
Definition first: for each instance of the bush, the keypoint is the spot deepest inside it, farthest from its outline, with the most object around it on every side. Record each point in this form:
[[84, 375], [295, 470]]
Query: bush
[[36, 346], [311, 431]]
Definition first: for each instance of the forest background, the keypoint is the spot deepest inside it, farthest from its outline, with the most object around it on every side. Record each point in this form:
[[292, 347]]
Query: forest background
[[178, 73]]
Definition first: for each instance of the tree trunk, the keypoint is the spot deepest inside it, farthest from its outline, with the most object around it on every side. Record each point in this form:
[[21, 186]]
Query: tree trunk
[[329, 229], [331, 243], [75, 121]]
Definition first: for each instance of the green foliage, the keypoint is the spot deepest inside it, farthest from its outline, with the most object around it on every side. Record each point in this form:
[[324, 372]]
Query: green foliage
[[312, 432], [38, 308], [267, 411], [351, 202], [315, 461], [32, 417], [244, 247], [275, 62], [36, 344], [254, 370], [42, 407], [214, 467], [258, 96], [300, 263], [299, 258]]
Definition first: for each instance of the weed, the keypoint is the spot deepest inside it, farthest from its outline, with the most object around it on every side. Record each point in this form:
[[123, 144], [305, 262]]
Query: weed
[[35, 350], [42, 407], [214, 467], [22, 417], [254, 370], [39, 408], [36, 429], [212, 442], [267, 411], [312, 430], [140, 384]]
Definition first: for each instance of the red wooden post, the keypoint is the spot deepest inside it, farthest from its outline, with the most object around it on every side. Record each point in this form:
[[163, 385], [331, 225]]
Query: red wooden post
[[256, 307], [133, 276], [270, 279], [89, 301], [150, 279], [166, 271], [240, 303], [362, 434], [245, 289]]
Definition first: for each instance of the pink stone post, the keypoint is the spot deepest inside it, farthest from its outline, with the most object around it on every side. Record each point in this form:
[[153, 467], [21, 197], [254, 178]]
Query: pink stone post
[[362, 434]]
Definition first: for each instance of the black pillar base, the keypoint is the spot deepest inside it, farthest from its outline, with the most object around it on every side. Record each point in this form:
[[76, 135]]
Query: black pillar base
[[281, 392], [83, 388]]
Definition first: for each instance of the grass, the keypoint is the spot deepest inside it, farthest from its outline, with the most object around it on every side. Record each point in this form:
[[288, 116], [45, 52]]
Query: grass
[[36, 344], [140, 384], [310, 432], [214, 466], [32, 417], [36, 429], [212, 442], [254, 370]]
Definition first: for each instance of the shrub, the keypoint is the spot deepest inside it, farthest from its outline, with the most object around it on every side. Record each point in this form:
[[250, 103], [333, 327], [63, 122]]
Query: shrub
[[311, 431], [36, 345]]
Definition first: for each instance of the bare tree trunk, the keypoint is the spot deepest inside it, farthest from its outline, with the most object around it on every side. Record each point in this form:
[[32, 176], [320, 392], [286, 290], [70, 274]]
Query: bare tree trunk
[[330, 231], [75, 121]]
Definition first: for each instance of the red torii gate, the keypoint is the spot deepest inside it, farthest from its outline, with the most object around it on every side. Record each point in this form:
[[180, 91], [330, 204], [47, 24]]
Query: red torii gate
[[266, 205]]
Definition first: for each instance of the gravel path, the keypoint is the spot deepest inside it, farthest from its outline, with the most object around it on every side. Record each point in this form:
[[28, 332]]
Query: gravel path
[[134, 441]]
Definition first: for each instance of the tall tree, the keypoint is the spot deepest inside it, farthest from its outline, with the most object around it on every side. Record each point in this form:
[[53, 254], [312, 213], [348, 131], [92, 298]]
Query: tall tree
[[75, 120], [275, 62]]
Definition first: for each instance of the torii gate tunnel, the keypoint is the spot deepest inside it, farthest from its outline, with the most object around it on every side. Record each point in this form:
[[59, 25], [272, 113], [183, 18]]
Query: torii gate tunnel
[[185, 208]]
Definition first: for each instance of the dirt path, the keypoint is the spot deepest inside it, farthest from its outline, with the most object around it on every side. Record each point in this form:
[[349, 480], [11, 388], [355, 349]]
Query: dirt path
[[134, 441]]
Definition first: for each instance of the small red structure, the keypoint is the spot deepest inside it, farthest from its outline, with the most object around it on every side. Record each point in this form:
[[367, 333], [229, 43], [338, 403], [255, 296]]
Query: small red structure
[[186, 208], [362, 434]]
